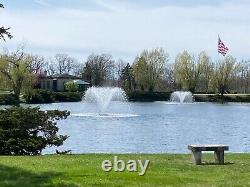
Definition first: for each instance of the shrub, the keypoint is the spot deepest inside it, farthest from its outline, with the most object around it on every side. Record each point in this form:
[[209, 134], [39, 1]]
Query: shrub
[[71, 86], [222, 99], [8, 99], [45, 96], [243, 98], [27, 131], [68, 96], [39, 96], [149, 96]]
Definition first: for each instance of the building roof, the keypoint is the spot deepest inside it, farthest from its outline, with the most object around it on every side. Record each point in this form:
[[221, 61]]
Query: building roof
[[80, 82], [63, 76]]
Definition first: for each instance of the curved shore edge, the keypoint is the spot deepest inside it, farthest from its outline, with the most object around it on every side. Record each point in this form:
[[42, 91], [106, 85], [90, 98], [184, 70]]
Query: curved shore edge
[[9, 99]]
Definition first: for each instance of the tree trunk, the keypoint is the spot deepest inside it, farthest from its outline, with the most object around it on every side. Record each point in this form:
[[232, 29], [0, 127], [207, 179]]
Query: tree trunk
[[17, 95]]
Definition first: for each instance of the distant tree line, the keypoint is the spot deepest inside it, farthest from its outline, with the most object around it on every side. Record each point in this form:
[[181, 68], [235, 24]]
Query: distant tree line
[[150, 71]]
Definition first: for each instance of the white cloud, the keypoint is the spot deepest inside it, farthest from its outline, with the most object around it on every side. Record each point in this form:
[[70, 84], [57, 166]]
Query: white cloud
[[125, 32], [42, 2], [106, 5]]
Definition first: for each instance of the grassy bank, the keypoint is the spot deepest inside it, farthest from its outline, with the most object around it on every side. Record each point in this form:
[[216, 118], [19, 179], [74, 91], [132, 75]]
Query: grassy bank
[[46, 96], [43, 96], [40, 97], [165, 96], [243, 98], [85, 170], [148, 96]]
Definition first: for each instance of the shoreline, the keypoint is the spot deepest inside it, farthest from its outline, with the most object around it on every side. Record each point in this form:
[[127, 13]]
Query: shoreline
[[198, 97], [62, 97]]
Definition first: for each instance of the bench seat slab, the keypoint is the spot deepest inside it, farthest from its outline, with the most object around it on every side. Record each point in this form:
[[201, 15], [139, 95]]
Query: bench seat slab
[[208, 147], [218, 152]]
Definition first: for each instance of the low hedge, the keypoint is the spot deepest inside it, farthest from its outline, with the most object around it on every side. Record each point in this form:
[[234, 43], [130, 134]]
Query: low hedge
[[45, 96], [149, 96], [68, 96], [222, 99], [39, 96], [8, 99], [165, 96]]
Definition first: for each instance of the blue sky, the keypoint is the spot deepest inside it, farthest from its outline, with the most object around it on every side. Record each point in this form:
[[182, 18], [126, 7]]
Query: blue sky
[[124, 28]]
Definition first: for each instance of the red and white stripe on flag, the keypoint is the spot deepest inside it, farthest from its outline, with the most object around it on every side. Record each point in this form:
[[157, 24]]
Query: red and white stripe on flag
[[222, 49]]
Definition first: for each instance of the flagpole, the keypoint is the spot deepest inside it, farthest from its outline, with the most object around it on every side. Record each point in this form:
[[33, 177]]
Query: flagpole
[[218, 48], [218, 45]]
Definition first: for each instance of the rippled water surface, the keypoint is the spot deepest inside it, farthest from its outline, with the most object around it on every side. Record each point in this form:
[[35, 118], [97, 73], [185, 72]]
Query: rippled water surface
[[158, 127]]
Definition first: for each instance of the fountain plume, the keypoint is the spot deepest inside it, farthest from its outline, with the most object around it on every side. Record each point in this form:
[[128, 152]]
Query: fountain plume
[[102, 96], [182, 97]]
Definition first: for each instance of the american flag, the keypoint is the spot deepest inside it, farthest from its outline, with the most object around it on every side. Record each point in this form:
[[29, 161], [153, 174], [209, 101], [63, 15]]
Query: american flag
[[222, 49]]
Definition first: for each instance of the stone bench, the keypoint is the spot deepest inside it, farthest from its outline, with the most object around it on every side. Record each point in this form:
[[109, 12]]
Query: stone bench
[[218, 152]]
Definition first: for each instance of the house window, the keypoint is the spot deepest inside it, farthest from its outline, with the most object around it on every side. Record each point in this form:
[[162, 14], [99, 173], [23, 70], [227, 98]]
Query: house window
[[43, 84], [48, 84], [54, 84]]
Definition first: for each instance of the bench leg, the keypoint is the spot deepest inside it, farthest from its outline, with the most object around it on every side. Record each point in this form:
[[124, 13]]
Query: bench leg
[[197, 157], [219, 157]]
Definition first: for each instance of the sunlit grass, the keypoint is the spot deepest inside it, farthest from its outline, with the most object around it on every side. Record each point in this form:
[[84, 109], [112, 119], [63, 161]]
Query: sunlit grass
[[85, 170]]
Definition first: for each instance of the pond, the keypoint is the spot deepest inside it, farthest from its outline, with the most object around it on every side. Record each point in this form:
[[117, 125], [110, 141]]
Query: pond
[[157, 127]]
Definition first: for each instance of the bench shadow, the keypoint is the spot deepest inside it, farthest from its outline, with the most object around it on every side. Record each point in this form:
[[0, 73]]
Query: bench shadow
[[216, 164], [14, 176]]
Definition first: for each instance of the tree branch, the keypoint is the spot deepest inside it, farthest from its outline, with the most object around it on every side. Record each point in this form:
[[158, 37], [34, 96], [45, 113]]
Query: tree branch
[[4, 31], [6, 74]]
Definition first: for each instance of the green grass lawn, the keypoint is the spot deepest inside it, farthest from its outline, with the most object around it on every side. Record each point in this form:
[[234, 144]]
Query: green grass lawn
[[85, 170]]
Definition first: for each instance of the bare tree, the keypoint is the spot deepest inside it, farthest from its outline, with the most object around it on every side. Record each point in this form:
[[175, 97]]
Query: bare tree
[[119, 66], [77, 68], [244, 76], [118, 70], [37, 63], [98, 69], [50, 66], [63, 63], [169, 76]]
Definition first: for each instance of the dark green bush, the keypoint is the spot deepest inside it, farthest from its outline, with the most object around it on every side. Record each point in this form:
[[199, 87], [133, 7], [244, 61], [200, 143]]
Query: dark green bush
[[222, 99], [211, 98], [8, 99], [39, 96], [243, 99], [68, 96], [45, 96], [27, 131], [149, 96]]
